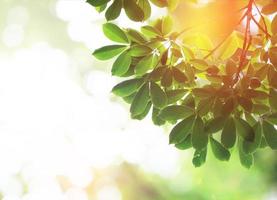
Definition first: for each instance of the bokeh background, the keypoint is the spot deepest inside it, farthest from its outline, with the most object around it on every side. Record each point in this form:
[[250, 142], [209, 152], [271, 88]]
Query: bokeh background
[[64, 136]]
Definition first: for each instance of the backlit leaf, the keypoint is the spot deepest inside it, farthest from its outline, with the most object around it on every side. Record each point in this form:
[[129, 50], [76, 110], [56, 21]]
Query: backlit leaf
[[127, 88], [108, 52], [121, 64], [140, 101]]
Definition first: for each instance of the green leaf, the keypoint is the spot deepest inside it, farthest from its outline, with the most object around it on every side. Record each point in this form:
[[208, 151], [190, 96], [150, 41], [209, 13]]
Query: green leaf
[[246, 160], [139, 50], [204, 106], [273, 98], [144, 113], [175, 95], [220, 152], [141, 100], [114, 10], [114, 33], [260, 109], [184, 144], [200, 64], [250, 147], [150, 31], [108, 52], [121, 64], [158, 96], [129, 99], [155, 117], [228, 135], [101, 8], [215, 125], [272, 118], [244, 129], [97, 3], [199, 157], [230, 46], [136, 36], [167, 24], [270, 134], [175, 112], [127, 88], [133, 11], [146, 7], [199, 138], [145, 64], [181, 130]]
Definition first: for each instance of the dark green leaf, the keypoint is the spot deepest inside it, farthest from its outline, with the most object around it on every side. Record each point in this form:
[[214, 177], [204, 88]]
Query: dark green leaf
[[244, 129], [181, 130], [199, 138], [215, 125], [270, 134], [144, 113], [114, 10], [250, 147], [184, 144], [220, 152], [175, 95], [199, 157], [158, 96], [96, 3], [155, 117], [246, 160], [175, 112], [228, 136]]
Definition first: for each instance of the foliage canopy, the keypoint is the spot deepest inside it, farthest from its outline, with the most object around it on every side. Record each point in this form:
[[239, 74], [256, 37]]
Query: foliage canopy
[[222, 93]]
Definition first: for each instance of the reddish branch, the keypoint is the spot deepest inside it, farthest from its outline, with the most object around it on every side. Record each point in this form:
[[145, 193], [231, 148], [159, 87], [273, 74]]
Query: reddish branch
[[248, 15]]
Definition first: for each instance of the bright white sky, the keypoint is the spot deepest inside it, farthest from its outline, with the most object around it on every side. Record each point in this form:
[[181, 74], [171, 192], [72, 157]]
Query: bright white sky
[[53, 123]]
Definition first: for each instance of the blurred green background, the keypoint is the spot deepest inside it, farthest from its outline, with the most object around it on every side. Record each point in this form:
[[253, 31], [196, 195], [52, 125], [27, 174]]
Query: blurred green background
[[64, 136]]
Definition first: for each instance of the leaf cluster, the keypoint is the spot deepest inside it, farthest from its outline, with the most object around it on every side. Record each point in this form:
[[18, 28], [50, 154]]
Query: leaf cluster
[[215, 99]]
